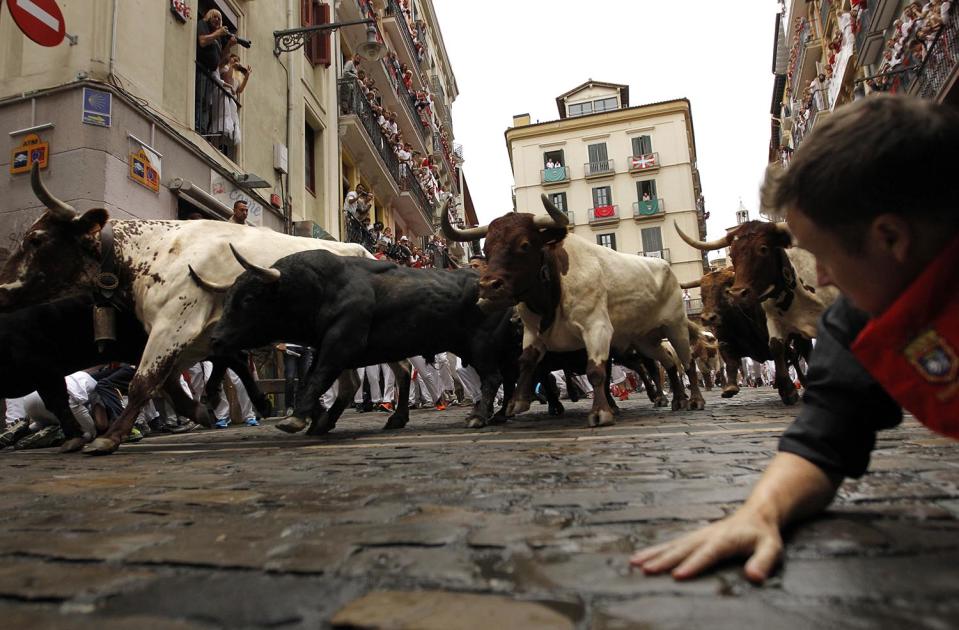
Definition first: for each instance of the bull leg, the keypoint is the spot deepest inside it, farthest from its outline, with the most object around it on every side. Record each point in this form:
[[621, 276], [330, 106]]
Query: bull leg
[[552, 395], [732, 371], [601, 415], [142, 387], [509, 375], [678, 336], [652, 380], [696, 400], [401, 414], [324, 420], [184, 405], [528, 361], [787, 391], [55, 398], [321, 377], [482, 412]]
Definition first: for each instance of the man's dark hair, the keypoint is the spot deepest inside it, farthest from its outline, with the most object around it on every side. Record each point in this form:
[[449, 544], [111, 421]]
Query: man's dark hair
[[882, 154], [238, 202]]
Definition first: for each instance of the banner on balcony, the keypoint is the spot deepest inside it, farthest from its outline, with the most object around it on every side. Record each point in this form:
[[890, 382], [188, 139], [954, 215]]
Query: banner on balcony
[[31, 150], [643, 162], [554, 174], [604, 212]]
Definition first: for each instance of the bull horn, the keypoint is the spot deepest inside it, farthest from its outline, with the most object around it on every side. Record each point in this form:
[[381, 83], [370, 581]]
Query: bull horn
[[783, 227], [556, 219], [212, 287], [59, 209], [705, 246], [692, 284], [456, 234], [266, 275]]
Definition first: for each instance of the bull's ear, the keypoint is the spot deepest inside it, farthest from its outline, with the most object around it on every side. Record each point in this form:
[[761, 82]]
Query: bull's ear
[[553, 235], [782, 238], [92, 220]]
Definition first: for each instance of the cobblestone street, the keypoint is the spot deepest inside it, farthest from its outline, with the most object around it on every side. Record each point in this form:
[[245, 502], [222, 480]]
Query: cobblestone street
[[528, 525]]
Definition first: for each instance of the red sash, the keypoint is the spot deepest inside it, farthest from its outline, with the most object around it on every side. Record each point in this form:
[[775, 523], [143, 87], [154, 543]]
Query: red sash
[[911, 349]]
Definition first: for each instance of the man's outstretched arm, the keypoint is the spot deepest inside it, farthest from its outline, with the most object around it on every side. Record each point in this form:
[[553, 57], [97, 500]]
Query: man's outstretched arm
[[792, 488]]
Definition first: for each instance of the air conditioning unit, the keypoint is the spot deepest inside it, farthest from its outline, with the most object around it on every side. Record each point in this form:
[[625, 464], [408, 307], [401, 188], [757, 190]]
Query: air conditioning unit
[[281, 158]]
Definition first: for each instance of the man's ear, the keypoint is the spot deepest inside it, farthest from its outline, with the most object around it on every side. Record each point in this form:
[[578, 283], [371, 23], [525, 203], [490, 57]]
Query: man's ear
[[91, 221], [894, 235]]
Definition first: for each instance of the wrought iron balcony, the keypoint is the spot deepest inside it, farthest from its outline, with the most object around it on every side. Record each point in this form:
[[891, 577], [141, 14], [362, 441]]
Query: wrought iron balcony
[[393, 10], [940, 61], [599, 169], [599, 215], [217, 113], [644, 162], [649, 208], [657, 253], [556, 175]]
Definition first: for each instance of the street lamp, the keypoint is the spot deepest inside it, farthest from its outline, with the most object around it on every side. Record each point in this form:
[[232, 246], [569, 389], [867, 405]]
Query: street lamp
[[294, 38]]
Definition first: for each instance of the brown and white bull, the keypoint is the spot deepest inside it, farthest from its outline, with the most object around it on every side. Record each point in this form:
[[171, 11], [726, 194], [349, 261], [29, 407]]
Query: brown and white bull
[[62, 252], [781, 278], [573, 294]]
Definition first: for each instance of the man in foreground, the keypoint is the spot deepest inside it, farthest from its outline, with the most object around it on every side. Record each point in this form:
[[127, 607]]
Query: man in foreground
[[890, 343]]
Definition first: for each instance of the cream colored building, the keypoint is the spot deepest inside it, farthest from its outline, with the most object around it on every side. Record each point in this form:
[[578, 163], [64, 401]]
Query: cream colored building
[[128, 82], [626, 172]]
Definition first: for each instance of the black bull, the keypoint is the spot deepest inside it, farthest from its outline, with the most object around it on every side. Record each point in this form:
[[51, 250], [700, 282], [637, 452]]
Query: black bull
[[359, 312], [41, 344]]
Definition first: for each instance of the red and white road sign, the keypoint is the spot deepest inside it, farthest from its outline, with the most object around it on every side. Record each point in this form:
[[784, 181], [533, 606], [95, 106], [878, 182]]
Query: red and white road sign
[[40, 20]]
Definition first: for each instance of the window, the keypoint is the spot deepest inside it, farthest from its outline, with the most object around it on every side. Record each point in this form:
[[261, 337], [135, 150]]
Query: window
[[556, 156], [646, 187], [309, 139], [602, 196], [317, 49], [652, 239], [597, 154], [559, 200], [607, 240], [605, 104], [580, 109], [642, 145]]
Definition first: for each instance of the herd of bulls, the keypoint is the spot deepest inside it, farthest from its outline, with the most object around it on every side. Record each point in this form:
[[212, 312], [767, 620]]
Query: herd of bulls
[[548, 299]]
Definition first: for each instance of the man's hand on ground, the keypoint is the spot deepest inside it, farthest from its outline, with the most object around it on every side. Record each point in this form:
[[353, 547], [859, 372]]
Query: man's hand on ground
[[745, 533]]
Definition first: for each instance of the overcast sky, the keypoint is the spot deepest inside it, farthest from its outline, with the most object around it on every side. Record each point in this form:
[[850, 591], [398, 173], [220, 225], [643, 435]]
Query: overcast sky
[[516, 56]]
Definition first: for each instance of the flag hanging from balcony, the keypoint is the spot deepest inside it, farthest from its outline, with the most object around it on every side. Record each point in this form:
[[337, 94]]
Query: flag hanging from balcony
[[602, 212], [643, 162], [557, 174]]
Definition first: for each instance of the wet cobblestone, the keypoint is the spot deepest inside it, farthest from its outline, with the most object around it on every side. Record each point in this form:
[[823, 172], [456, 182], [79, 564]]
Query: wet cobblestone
[[527, 525]]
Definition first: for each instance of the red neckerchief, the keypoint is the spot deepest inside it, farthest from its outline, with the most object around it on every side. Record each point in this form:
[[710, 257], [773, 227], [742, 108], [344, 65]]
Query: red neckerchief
[[911, 349]]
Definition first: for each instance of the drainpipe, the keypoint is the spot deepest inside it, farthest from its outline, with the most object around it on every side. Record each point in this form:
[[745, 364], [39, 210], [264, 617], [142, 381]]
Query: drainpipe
[[113, 37], [288, 201]]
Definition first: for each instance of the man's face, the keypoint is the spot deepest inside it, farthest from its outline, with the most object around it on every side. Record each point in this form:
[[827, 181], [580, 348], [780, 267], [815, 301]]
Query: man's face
[[871, 278], [216, 20], [240, 211]]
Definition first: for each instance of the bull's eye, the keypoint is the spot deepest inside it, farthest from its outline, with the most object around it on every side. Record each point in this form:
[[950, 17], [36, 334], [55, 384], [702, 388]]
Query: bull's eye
[[34, 240], [763, 250], [524, 247]]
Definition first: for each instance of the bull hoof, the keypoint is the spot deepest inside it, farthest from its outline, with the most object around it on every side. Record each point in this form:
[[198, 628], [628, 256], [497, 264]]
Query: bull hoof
[[395, 421], [729, 392], [697, 404], [517, 407], [662, 401], [475, 422], [203, 416], [557, 409], [680, 404], [72, 445], [291, 424], [790, 399], [101, 446], [600, 419], [264, 407]]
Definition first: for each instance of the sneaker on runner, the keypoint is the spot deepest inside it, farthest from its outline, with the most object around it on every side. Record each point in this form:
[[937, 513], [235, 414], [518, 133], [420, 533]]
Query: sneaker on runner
[[44, 438]]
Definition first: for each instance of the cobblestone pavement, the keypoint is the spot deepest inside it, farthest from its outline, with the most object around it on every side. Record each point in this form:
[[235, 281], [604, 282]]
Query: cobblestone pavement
[[527, 525]]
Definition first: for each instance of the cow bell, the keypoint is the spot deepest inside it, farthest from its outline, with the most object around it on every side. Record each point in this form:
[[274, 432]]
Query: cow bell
[[104, 325]]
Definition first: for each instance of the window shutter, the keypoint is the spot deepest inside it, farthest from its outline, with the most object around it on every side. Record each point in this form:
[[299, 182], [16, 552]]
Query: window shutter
[[325, 57]]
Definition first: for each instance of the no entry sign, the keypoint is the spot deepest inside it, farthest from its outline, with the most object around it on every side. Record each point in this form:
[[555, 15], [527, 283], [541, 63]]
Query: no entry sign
[[40, 20]]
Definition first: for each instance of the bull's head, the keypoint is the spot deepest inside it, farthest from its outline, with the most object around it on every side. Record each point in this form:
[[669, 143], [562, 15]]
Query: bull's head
[[58, 256], [714, 289], [756, 252], [250, 307], [515, 250]]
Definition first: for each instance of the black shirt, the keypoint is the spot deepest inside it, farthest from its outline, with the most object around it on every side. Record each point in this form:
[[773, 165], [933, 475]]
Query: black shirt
[[207, 56], [843, 406]]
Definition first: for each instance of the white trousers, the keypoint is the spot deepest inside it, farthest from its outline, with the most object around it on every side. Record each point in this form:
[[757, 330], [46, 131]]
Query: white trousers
[[470, 379], [200, 374], [372, 373]]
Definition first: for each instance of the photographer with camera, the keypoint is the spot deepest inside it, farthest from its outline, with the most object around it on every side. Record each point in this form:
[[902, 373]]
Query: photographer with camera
[[213, 45]]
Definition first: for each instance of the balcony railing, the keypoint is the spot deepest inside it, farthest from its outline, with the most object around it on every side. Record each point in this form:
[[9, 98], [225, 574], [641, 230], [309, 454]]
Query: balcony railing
[[644, 162], [862, 28], [649, 208], [353, 101], [409, 183], [393, 9], [596, 169], [693, 306], [409, 101], [216, 116], [940, 60], [555, 175], [657, 253], [603, 214]]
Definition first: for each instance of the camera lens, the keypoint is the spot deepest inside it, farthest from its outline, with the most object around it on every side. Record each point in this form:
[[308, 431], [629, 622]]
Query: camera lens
[[242, 41]]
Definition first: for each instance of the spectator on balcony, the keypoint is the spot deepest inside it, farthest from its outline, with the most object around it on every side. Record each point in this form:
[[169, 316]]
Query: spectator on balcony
[[550, 164], [352, 66], [240, 212], [228, 111], [646, 196], [387, 235], [213, 43]]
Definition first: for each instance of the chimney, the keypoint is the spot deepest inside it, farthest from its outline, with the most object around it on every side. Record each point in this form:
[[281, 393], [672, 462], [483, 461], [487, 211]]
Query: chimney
[[520, 120]]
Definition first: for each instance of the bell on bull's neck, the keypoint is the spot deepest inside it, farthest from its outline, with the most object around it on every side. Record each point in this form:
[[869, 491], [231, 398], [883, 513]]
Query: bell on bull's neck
[[104, 325]]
